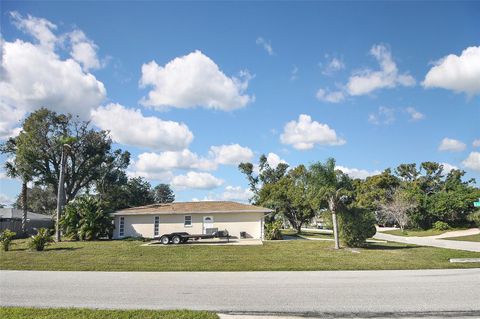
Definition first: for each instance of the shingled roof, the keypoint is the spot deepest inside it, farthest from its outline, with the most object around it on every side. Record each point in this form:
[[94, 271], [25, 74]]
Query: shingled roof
[[194, 208]]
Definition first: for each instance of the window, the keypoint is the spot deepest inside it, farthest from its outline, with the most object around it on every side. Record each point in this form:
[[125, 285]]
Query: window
[[188, 221], [121, 228], [156, 225]]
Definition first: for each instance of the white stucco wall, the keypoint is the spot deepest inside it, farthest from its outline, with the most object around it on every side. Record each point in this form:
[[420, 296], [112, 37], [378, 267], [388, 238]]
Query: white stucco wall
[[234, 223]]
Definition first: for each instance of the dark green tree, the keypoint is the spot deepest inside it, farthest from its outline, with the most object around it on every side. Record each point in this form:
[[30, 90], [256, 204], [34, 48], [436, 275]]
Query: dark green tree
[[41, 200], [162, 194]]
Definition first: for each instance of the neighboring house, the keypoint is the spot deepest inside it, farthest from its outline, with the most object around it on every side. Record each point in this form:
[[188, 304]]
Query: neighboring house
[[11, 218], [240, 220]]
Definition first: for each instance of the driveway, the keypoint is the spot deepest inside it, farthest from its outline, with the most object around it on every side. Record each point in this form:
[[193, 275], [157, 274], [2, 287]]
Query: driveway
[[436, 241], [325, 292]]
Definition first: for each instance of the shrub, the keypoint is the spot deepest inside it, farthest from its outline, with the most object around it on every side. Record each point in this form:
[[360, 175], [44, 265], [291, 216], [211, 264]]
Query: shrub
[[439, 225], [272, 230], [474, 218], [356, 225], [40, 240], [6, 239]]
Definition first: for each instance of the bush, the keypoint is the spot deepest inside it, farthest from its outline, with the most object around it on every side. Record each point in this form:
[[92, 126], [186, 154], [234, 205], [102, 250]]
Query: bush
[[439, 225], [6, 239], [272, 230], [356, 225], [40, 240], [474, 218]]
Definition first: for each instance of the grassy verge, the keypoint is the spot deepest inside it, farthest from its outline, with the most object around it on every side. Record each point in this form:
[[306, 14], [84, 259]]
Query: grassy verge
[[71, 313], [292, 232], [418, 233], [465, 238], [273, 255]]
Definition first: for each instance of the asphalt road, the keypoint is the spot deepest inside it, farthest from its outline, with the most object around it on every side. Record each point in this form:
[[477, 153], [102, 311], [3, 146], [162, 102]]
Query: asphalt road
[[357, 292]]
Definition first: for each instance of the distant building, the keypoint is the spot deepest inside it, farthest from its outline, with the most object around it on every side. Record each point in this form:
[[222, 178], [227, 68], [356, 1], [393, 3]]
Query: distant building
[[11, 218]]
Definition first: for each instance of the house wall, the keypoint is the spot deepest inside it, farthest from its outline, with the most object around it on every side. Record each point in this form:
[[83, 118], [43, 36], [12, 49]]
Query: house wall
[[234, 223]]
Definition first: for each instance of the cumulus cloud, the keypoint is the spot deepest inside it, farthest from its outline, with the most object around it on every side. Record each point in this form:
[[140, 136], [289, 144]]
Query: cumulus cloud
[[6, 200], [266, 45], [130, 127], [273, 160], [232, 154], [230, 193], [472, 161], [305, 133], [384, 116], [448, 167], [366, 81], [476, 143], [330, 96], [193, 80], [84, 50], [414, 114], [33, 75], [451, 145], [357, 173], [460, 74], [196, 180]]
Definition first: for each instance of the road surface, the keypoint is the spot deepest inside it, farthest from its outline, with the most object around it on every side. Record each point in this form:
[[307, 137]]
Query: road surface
[[379, 292]]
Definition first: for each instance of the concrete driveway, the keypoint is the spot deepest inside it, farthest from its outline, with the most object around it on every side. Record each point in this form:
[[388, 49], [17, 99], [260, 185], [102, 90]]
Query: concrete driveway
[[436, 241], [333, 293]]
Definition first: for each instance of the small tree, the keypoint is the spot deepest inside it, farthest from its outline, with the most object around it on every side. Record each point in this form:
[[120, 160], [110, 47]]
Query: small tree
[[162, 194], [6, 239], [398, 208], [41, 239]]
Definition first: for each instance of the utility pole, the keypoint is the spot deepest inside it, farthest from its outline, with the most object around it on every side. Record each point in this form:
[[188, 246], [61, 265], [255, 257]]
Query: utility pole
[[60, 194]]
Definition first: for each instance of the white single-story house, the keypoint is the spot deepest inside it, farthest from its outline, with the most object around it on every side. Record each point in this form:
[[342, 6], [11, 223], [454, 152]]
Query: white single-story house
[[240, 220]]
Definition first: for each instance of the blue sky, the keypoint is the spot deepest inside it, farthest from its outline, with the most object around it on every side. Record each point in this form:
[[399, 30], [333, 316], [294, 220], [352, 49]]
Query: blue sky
[[371, 84]]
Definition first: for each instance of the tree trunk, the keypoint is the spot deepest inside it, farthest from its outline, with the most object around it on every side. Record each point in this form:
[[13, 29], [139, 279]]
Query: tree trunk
[[60, 197], [24, 207], [299, 228], [335, 230]]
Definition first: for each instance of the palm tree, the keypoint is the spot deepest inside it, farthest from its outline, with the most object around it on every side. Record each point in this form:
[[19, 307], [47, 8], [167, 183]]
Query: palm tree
[[329, 188]]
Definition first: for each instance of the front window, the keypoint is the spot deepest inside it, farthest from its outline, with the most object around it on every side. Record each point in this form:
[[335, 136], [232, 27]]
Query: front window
[[188, 221], [121, 228]]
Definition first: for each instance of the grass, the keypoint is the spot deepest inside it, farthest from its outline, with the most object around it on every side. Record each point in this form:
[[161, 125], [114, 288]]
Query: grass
[[292, 232], [416, 233], [465, 238], [273, 255], [71, 313]]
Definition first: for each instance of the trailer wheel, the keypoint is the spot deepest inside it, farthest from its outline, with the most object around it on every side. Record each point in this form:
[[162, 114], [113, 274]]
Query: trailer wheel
[[176, 239], [165, 240]]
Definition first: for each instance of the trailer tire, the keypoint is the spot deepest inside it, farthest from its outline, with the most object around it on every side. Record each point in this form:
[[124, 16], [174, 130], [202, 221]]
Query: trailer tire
[[165, 240], [176, 240]]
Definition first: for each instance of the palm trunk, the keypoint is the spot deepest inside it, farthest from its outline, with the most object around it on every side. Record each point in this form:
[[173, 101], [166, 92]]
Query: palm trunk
[[335, 230], [24, 207]]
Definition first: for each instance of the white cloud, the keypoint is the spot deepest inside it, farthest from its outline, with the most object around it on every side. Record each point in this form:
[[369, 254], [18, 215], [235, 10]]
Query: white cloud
[[6, 200], [84, 50], [34, 76], [305, 133], [472, 161], [267, 46], [366, 81], [384, 116], [451, 145], [330, 96], [357, 173], [333, 65], [414, 114], [152, 164], [196, 180], [456, 73], [476, 143], [130, 127], [294, 74], [448, 167], [193, 80], [273, 160], [232, 154], [39, 28], [231, 193]]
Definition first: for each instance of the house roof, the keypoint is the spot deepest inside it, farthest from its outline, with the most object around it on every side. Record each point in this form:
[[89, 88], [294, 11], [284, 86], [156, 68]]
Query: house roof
[[193, 208], [18, 214]]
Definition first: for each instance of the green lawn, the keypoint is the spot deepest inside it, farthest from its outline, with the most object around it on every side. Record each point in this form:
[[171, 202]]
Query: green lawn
[[292, 232], [71, 313], [465, 238], [417, 233], [273, 255]]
